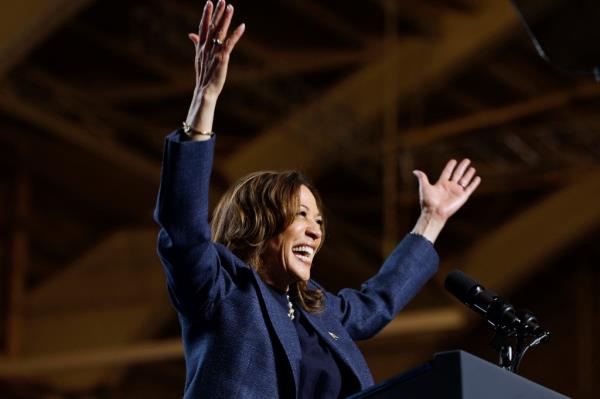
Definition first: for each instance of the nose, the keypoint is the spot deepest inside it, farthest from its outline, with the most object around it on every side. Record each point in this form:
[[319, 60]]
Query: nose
[[313, 230]]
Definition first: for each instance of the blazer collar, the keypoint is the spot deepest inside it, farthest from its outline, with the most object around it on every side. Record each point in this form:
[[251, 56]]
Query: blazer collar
[[284, 328]]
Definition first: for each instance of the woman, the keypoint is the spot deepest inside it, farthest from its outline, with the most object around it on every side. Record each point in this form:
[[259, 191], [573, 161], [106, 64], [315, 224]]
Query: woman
[[253, 323]]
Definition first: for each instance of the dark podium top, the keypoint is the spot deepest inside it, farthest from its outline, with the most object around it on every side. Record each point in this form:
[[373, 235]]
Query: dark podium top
[[458, 375]]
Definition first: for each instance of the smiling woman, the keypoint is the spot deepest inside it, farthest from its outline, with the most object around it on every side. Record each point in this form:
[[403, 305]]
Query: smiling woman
[[254, 324], [272, 221]]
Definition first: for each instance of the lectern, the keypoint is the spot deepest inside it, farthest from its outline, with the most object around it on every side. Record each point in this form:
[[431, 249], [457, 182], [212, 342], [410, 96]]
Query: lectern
[[458, 375]]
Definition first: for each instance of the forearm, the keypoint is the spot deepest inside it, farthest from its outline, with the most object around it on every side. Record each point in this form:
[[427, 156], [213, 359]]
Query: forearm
[[201, 115], [410, 265]]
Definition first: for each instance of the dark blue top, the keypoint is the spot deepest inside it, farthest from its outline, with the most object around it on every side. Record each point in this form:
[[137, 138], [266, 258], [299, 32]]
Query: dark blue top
[[322, 375]]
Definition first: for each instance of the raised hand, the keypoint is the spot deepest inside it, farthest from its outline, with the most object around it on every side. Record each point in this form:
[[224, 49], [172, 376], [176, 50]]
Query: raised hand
[[456, 183], [214, 46]]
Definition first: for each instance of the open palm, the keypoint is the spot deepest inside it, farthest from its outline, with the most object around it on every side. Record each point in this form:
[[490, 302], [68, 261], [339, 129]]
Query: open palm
[[214, 44], [456, 183]]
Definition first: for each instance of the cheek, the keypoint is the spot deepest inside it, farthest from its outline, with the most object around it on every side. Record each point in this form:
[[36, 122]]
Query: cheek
[[272, 248]]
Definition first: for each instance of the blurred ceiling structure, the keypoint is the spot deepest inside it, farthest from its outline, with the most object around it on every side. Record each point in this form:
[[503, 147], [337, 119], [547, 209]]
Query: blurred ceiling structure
[[357, 95]]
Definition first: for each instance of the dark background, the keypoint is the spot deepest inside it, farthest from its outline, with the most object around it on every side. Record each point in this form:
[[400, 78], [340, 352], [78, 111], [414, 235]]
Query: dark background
[[356, 94]]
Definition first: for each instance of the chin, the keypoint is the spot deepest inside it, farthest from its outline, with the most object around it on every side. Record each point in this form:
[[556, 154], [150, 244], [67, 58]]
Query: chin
[[301, 275]]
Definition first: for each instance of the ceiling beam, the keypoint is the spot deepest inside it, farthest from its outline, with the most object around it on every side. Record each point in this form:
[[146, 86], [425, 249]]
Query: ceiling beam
[[95, 114], [331, 21], [114, 356], [434, 320], [77, 135], [421, 64], [25, 24], [518, 250], [496, 117], [113, 295], [18, 258], [280, 64]]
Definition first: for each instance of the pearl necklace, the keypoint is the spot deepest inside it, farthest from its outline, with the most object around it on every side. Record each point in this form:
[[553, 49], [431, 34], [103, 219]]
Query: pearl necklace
[[291, 310]]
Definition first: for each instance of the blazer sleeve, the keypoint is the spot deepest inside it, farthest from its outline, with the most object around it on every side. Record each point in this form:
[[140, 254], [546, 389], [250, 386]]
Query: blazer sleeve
[[366, 311], [195, 275]]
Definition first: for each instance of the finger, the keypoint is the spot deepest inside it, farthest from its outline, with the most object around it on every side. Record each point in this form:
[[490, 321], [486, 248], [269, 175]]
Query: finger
[[460, 170], [473, 185], [466, 179], [223, 25], [194, 38], [233, 39], [219, 10], [205, 22], [422, 178], [447, 172]]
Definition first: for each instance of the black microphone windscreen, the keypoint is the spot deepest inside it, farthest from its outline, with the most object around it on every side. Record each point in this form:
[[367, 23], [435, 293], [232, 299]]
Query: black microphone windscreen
[[459, 284]]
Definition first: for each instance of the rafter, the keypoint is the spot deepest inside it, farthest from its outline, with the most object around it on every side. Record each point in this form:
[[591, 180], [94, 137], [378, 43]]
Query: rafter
[[25, 24], [95, 112], [112, 295], [496, 117], [278, 64], [115, 356], [434, 320], [421, 63], [517, 250], [330, 20], [77, 135], [18, 260]]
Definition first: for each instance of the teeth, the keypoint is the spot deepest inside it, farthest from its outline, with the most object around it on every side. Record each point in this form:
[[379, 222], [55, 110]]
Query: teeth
[[303, 258], [304, 248]]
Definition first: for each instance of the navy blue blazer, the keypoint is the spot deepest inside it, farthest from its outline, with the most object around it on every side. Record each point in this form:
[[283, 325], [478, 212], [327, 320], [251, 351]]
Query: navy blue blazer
[[238, 341]]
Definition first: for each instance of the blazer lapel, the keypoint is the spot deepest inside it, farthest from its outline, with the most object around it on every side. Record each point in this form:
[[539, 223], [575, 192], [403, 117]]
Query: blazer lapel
[[284, 329], [340, 342]]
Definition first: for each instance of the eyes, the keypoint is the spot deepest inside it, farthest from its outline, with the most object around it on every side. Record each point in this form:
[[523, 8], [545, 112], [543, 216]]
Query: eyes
[[303, 214]]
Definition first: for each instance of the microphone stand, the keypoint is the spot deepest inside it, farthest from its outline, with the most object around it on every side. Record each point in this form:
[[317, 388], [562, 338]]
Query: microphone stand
[[517, 331], [513, 342]]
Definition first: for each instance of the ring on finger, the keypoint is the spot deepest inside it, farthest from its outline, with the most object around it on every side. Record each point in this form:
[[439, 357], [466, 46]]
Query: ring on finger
[[217, 42]]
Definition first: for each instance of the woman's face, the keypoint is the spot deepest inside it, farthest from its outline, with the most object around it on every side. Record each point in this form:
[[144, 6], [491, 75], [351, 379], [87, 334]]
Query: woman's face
[[288, 256]]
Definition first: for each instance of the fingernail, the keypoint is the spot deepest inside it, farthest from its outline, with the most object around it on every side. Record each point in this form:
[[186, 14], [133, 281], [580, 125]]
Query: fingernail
[[229, 7]]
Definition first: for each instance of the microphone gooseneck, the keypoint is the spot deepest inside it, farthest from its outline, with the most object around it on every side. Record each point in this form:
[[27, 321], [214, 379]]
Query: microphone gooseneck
[[508, 322]]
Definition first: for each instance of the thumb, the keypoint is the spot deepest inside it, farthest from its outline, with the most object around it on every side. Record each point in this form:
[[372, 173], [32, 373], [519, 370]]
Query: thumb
[[194, 38], [421, 177]]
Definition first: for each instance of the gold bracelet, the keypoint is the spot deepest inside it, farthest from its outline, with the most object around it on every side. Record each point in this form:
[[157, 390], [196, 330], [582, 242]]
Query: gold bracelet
[[190, 131]]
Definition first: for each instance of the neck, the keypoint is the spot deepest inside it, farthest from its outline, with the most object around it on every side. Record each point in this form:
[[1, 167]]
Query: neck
[[274, 276], [284, 287]]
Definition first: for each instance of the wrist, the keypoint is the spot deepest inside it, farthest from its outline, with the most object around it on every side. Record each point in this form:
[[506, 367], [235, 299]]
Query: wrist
[[201, 113], [202, 105], [205, 98], [429, 226]]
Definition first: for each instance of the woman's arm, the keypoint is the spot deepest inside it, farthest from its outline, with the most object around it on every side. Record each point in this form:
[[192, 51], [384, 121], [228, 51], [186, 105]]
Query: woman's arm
[[194, 273], [413, 262]]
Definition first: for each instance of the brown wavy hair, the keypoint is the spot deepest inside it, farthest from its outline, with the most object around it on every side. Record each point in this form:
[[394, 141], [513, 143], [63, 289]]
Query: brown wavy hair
[[257, 208]]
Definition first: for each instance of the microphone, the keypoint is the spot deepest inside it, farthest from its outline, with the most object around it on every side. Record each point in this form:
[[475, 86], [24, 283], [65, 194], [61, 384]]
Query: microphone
[[499, 313]]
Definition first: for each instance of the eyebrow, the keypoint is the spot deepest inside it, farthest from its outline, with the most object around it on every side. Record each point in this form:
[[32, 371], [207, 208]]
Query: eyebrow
[[307, 208]]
